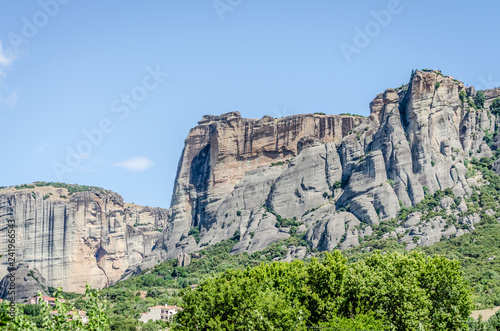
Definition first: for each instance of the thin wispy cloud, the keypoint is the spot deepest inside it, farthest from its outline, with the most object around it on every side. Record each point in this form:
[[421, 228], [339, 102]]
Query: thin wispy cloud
[[136, 164], [6, 59]]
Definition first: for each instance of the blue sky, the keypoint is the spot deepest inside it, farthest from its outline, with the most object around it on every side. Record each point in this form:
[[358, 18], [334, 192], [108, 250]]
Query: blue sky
[[122, 82]]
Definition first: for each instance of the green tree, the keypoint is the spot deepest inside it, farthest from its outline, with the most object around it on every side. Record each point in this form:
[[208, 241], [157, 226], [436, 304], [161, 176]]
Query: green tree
[[95, 310], [409, 291], [463, 95], [195, 232], [479, 99], [357, 322], [62, 320], [32, 310], [398, 291], [325, 286], [267, 297], [495, 106]]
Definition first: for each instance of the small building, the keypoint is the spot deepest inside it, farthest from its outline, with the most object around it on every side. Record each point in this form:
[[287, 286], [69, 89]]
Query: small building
[[164, 313], [75, 314], [38, 300]]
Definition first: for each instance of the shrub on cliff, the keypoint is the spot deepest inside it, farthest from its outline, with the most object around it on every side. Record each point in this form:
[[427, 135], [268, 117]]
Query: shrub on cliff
[[495, 106], [479, 99]]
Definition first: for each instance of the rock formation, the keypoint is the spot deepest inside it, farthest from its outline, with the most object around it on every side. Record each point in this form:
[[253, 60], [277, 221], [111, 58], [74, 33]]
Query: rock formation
[[332, 179], [89, 237], [225, 152], [28, 282]]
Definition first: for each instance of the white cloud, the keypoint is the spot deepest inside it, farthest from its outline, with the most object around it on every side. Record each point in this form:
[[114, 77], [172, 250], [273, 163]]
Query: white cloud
[[6, 59], [136, 164]]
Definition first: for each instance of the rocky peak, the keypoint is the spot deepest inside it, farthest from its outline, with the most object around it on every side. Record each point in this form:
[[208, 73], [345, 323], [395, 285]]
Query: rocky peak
[[414, 141], [235, 115]]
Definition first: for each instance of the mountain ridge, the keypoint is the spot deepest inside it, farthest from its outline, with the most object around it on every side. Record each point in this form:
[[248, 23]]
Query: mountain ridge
[[332, 180]]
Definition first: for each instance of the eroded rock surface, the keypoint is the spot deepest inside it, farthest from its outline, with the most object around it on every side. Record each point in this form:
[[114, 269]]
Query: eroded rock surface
[[88, 237], [331, 177]]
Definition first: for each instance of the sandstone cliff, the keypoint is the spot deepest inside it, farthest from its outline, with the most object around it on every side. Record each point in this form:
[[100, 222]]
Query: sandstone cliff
[[333, 177], [89, 236], [227, 155]]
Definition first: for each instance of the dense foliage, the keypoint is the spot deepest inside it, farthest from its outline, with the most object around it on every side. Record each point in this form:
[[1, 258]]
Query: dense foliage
[[479, 99], [40, 317], [397, 291], [495, 106], [163, 282]]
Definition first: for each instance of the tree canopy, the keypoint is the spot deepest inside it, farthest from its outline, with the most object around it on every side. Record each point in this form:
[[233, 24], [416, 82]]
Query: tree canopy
[[384, 291]]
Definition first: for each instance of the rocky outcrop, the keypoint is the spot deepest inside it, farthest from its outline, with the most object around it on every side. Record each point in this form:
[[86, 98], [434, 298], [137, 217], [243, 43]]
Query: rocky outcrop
[[25, 284], [218, 154], [89, 237], [183, 260], [330, 177]]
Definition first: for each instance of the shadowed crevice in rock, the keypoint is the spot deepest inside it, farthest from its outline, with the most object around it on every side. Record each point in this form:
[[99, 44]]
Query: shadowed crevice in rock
[[200, 180]]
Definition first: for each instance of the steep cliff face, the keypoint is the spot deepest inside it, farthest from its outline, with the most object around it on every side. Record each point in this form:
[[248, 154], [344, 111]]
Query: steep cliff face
[[88, 237], [217, 156], [332, 177]]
